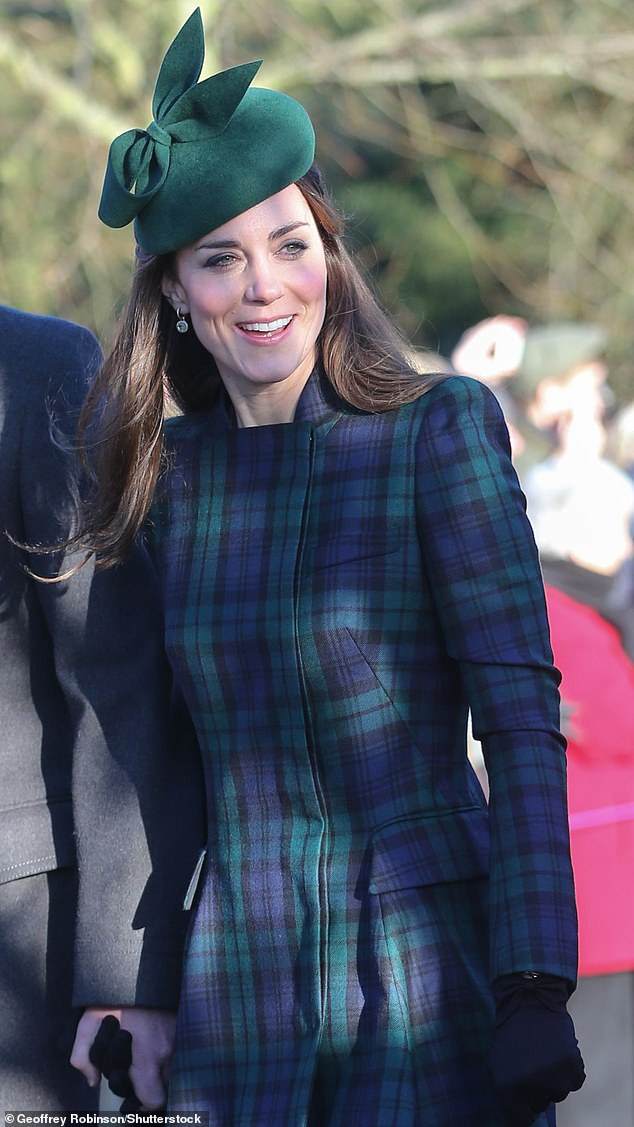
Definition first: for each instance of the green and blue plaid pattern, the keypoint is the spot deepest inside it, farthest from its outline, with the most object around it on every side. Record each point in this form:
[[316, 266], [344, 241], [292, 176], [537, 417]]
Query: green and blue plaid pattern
[[338, 592]]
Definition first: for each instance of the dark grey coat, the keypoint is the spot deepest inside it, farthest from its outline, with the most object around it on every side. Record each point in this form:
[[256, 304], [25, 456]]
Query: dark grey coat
[[87, 771]]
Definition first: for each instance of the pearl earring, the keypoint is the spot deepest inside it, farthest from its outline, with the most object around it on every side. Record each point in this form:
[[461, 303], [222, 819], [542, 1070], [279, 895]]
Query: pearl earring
[[182, 325]]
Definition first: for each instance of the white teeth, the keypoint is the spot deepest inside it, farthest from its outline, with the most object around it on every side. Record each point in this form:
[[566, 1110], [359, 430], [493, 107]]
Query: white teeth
[[267, 326]]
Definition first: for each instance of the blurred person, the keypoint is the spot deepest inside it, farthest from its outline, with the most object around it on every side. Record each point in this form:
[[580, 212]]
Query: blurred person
[[346, 566], [540, 374], [561, 373], [490, 351], [84, 760], [580, 501], [620, 448], [580, 505], [621, 438]]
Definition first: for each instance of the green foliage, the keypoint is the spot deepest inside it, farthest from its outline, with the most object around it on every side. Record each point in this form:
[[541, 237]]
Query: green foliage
[[419, 265], [483, 148]]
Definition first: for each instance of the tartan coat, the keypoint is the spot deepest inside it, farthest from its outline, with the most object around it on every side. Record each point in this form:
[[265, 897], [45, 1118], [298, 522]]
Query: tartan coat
[[338, 592]]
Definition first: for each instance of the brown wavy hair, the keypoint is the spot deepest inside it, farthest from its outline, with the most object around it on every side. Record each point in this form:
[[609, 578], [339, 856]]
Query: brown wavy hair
[[153, 372]]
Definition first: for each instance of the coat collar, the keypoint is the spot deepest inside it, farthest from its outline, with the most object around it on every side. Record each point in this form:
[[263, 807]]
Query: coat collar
[[319, 402]]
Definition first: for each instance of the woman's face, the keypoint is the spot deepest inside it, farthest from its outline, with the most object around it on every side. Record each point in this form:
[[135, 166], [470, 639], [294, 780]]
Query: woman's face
[[255, 292]]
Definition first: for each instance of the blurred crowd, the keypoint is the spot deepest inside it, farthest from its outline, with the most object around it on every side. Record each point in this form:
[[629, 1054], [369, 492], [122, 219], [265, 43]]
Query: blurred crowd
[[573, 450]]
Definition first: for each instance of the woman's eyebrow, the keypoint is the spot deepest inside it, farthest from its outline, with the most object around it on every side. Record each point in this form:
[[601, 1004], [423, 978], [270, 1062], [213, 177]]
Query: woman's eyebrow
[[278, 233], [215, 244]]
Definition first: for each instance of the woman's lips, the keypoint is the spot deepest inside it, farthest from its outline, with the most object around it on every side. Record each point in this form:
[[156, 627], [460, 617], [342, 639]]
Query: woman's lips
[[265, 330]]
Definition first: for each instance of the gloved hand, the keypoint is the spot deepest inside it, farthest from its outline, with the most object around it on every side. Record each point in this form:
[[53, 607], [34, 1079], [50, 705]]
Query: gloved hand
[[152, 1033], [534, 1057], [111, 1053]]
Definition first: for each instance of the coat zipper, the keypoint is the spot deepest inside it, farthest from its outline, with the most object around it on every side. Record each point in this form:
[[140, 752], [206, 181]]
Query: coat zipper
[[312, 751]]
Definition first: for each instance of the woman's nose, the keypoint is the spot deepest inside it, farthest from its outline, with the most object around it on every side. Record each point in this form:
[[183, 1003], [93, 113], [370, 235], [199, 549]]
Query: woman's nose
[[263, 284]]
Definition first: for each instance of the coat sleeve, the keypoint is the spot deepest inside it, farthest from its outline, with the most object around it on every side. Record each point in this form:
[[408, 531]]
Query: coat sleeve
[[136, 784], [482, 564]]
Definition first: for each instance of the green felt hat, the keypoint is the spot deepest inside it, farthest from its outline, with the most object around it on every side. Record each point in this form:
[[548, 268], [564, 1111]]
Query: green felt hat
[[214, 149]]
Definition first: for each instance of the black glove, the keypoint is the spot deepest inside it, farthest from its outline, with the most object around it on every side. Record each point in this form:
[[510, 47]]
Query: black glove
[[111, 1053], [534, 1058]]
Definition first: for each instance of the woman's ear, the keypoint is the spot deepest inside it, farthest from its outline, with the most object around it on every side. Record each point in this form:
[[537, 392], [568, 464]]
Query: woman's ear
[[173, 291]]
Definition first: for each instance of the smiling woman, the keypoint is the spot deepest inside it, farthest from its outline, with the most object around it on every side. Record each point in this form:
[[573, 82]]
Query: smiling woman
[[255, 290], [346, 570]]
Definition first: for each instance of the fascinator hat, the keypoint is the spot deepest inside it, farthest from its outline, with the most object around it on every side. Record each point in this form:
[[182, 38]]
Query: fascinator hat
[[213, 150]]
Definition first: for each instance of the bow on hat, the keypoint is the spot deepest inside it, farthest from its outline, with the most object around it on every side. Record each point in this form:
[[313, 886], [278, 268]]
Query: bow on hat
[[184, 110]]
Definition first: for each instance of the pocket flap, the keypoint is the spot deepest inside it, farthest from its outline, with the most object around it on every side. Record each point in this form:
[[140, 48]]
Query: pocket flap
[[354, 549], [430, 849], [36, 838]]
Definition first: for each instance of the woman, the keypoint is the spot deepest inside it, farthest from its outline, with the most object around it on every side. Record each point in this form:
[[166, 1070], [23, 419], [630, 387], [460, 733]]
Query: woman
[[346, 567]]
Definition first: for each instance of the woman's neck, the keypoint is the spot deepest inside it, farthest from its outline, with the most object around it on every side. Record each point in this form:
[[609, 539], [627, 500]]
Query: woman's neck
[[269, 403]]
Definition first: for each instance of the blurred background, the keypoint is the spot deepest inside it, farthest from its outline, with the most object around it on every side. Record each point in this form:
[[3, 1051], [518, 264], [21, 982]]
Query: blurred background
[[482, 148]]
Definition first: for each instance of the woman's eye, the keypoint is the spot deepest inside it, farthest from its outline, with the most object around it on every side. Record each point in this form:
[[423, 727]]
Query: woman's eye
[[295, 248], [219, 261]]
